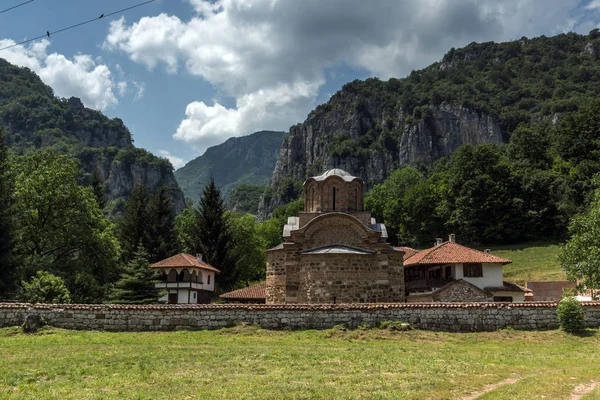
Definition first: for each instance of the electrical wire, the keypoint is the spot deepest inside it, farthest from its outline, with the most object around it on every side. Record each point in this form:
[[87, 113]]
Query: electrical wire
[[13, 7], [102, 16]]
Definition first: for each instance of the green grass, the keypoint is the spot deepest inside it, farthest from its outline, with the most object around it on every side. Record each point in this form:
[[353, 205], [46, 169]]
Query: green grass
[[250, 363], [531, 262]]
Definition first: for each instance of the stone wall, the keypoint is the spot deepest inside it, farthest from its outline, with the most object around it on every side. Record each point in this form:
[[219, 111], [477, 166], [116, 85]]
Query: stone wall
[[454, 317], [460, 291]]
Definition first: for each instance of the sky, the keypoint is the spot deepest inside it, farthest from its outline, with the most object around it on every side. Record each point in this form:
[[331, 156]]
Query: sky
[[185, 75]]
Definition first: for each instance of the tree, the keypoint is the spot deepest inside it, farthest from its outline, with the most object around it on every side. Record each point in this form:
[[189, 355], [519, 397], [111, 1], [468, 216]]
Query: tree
[[133, 225], [247, 247], [162, 235], [137, 282], [570, 315], [7, 279], [60, 227], [580, 257], [47, 288], [98, 188]]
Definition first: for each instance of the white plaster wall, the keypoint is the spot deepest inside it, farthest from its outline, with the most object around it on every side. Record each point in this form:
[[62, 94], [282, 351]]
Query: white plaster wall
[[517, 296], [205, 275], [492, 276], [182, 297]]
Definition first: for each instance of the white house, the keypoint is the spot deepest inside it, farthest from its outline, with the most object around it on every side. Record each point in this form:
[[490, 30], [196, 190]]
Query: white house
[[451, 272], [187, 279]]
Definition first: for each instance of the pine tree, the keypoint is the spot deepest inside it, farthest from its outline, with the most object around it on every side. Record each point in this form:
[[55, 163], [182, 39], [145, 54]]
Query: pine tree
[[161, 230], [6, 231], [137, 282], [133, 224], [98, 188], [213, 235]]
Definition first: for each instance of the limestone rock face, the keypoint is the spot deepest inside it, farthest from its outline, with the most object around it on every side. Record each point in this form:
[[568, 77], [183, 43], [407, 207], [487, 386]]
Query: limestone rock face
[[314, 146]]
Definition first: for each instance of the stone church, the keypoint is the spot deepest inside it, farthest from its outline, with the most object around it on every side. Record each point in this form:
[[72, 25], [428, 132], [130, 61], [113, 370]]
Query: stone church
[[334, 252]]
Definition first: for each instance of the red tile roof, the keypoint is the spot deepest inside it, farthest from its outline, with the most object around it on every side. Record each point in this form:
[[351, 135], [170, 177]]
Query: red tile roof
[[452, 253], [183, 260], [253, 292], [408, 251]]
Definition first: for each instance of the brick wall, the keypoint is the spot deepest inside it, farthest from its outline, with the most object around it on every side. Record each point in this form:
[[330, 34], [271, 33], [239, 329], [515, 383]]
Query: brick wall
[[454, 317]]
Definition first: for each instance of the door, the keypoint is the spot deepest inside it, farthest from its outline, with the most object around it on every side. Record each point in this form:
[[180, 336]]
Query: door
[[172, 298]]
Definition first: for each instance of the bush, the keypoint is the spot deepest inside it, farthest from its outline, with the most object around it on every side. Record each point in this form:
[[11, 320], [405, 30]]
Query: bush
[[395, 326], [45, 287], [570, 315]]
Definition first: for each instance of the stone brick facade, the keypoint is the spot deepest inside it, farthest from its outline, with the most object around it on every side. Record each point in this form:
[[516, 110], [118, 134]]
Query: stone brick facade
[[333, 252], [461, 291], [451, 317]]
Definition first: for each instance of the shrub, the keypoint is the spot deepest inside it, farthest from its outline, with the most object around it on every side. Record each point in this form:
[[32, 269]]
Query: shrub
[[570, 315], [395, 326], [45, 287]]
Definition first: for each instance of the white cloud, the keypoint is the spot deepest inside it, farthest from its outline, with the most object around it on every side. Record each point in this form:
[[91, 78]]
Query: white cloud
[[140, 89], [252, 51], [122, 88], [592, 5], [80, 77], [176, 161]]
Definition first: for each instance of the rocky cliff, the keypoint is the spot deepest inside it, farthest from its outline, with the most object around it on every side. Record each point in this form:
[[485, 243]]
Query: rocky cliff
[[477, 94], [33, 118]]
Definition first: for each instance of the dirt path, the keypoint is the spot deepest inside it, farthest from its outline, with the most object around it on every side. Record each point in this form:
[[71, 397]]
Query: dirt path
[[582, 390], [489, 388]]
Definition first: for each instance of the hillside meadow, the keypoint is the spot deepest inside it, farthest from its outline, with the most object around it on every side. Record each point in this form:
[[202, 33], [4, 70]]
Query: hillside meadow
[[246, 362]]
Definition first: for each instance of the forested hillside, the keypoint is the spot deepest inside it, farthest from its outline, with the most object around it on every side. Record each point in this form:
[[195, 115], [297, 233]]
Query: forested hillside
[[239, 160], [32, 118], [474, 95]]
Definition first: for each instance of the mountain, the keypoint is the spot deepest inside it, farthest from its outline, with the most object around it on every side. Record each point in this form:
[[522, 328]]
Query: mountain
[[239, 160], [33, 117], [477, 94]]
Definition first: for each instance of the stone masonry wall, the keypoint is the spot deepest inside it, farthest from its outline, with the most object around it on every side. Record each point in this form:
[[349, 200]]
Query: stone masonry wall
[[453, 317]]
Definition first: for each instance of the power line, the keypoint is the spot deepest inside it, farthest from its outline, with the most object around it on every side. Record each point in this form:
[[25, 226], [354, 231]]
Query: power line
[[13, 7], [49, 34]]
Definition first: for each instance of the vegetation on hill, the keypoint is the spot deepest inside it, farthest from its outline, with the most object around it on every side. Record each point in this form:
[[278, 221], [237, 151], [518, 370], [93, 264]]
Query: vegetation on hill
[[33, 118], [239, 160]]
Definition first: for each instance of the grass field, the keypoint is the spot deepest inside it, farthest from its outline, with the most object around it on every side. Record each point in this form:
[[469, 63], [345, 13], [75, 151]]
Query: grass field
[[531, 262], [250, 363]]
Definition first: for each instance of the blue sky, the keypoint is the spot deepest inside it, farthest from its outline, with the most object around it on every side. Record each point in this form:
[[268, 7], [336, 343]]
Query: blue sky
[[187, 74]]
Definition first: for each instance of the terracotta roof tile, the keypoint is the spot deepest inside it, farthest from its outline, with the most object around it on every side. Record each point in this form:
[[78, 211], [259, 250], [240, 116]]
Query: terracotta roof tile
[[452, 253], [408, 251], [253, 292], [183, 260]]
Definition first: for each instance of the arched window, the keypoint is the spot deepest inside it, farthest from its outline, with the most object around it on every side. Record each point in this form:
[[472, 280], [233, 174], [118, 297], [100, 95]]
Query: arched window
[[333, 203], [184, 276], [172, 276]]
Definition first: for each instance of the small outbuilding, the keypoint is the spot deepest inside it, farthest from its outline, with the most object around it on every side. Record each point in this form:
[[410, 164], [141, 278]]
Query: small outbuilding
[[186, 279], [254, 294]]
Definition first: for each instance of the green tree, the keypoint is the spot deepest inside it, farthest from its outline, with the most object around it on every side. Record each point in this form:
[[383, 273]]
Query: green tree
[[98, 188], [580, 257], [136, 284], [162, 234], [7, 278], [570, 315], [133, 225], [60, 227], [47, 288], [247, 247]]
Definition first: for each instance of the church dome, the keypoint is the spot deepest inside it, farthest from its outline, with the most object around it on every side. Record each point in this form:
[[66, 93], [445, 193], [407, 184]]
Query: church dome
[[335, 172]]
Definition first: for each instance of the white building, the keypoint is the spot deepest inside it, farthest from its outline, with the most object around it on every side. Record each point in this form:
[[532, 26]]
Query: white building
[[451, 272], [186, 279]]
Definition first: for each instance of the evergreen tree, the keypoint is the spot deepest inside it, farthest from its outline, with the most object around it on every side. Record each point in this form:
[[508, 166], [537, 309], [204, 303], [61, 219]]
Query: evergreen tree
[[213, 235], [133, 226], [6, 268], [161, 230], [98, 188], [137, 282]]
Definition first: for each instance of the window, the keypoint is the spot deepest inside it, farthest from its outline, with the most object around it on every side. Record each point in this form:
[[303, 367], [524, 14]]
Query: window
[[194, 294], [473, 270], [503, 298], [208, 281]]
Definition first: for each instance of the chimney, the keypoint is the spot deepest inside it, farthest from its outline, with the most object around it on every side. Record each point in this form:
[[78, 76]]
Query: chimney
[[452, 238], [487, 251], [199, 257], [438, 241]]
